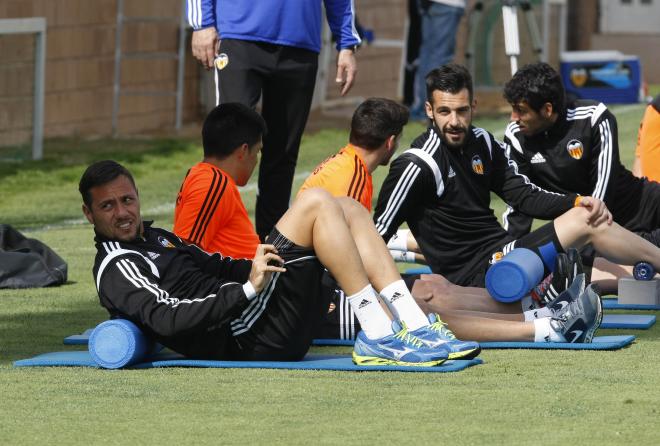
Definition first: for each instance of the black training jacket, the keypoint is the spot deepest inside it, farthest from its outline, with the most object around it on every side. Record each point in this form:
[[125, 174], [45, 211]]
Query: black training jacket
[[178, 294], [444, 196], [578, 154]]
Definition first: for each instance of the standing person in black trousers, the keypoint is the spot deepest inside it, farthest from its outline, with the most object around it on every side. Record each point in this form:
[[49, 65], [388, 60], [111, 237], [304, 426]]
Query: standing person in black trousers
[[272, 53]]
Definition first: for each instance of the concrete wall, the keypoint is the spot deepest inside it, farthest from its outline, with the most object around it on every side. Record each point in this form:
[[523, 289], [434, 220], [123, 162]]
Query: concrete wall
[[379, 68], [80, 62]]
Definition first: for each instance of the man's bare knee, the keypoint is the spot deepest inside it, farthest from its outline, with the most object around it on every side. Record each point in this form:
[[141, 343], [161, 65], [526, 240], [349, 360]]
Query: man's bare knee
[[352, 207], [440, 283], [311, 200], [432, 288], [298, 222], [573, 229]]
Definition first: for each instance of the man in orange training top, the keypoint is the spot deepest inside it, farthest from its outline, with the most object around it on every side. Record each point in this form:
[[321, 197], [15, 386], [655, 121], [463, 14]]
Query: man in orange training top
[[209, 210], [376, 128], [647, 154]]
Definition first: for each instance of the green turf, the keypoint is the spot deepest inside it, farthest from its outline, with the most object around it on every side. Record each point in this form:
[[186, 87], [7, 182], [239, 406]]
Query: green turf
[[516, 397]]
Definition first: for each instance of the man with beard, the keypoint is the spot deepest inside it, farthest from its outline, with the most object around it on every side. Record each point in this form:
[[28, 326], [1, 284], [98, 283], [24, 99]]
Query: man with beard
[[441, 187]]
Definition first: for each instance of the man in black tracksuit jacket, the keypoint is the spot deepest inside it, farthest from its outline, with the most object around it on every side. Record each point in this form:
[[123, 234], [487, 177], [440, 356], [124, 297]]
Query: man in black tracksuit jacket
[[208, 306], [139, 279], [444, 195], [573, 148], [442, 187]]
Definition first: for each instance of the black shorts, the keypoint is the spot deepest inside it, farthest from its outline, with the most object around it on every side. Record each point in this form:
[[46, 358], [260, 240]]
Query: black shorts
[[646, 220], [542, 241], [339, 320], [279, 323]]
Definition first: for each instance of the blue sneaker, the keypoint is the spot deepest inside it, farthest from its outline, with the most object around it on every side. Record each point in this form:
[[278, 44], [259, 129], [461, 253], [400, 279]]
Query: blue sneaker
[[438, 336], [400, 348]]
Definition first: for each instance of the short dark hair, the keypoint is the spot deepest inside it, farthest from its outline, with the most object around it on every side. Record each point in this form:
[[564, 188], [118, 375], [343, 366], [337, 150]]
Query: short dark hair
[[230, 125], [450, 78], [98, 174], [375, 120], [536, 84]]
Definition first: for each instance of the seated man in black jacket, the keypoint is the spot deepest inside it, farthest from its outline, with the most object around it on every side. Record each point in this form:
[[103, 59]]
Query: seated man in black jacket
[[206, 305], [573, 147], [442, 188]]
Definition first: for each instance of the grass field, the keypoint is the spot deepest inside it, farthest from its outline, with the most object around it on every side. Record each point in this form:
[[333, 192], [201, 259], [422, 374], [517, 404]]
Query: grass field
[[516, 397]]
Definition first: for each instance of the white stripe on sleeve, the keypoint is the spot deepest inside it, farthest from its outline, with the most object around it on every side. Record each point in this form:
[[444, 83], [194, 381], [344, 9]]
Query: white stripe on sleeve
[[604, 160], [398, 196]]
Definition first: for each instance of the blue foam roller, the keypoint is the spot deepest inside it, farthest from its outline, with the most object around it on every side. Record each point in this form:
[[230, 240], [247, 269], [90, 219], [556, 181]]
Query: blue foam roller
[[512, 277], [118, 343]]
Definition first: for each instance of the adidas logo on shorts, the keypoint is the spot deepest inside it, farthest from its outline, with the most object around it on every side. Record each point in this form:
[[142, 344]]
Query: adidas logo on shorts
[[537, 159]]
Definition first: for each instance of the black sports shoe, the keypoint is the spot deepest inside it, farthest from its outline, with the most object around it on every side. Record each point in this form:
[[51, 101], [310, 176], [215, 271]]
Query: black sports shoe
[[575, 264], [578, 320], [561, 279], [567, 267]]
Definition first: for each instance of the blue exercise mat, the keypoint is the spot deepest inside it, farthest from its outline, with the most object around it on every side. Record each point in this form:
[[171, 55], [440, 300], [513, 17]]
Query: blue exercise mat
[[420, 270], [613, 304], [628, 321], [79, 339], [598, 343], [610, 321], [310, 362]]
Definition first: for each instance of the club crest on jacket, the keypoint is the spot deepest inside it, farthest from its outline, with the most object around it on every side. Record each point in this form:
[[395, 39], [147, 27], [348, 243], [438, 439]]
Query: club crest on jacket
[[477, 165], [575, 149]]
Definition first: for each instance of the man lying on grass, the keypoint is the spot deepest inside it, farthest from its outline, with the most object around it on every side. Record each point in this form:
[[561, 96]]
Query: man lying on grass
[[210, 213], [209, 306]]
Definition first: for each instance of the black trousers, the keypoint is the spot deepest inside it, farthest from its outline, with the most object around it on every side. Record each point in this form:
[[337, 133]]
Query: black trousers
[[645, 220], [283, 77]]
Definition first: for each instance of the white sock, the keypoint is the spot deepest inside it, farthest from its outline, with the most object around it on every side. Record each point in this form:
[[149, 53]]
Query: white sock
[[403, 256], [372, 317], [399, 241], [403, 305], [530, 315], [543, 331]]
